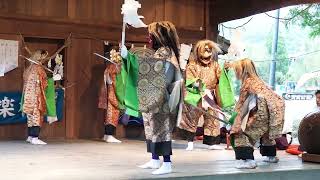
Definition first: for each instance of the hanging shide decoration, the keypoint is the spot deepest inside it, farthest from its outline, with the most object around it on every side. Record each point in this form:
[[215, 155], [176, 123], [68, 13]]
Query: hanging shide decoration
[[237, 48], [58, 69], [129, 11]]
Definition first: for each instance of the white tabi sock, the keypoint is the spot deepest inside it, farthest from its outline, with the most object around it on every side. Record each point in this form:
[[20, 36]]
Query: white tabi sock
[[271, 159], [111, 139], [37, 141], [247, 164], [215, 147], [152, 164], [29, 139], [166, 168], [190, 146], [104, 137]]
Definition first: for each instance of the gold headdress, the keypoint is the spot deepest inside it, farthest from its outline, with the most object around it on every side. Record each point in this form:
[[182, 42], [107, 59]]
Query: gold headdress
[[115, 56]]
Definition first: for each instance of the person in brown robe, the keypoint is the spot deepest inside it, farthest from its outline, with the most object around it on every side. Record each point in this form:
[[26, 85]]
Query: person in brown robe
[[205, 68], [34, 99], [108, 99], [34, 86], [260, 116]]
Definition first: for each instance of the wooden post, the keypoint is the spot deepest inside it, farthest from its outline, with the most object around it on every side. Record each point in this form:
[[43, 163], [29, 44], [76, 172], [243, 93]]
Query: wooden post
[[210, 21]]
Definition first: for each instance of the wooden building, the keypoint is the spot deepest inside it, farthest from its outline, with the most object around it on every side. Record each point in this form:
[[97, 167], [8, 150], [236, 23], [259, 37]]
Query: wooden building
[[46, 24]]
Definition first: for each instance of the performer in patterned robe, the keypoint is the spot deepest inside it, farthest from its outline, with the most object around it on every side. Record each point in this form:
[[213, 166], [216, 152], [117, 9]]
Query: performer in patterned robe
[[159, 93], [203, 74], [108, 99], [260, 116], [34, 99], [35, 83]]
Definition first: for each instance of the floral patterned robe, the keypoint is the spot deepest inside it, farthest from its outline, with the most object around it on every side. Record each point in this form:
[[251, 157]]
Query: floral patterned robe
[[267, 121], [108, 99], [34, 99], [209, 75]]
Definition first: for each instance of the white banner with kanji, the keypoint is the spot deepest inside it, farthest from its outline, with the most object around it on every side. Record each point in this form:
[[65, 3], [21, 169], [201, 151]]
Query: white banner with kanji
[[10, 107], [9, 50]]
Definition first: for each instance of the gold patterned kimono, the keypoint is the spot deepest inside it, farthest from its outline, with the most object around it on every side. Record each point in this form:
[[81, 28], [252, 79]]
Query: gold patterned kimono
[[161, 73], [34, 102], [108, 99], [265, 122], [209, 75]]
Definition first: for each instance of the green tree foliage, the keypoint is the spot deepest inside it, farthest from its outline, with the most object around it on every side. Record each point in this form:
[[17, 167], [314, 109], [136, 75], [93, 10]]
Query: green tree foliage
[[282, 61], [258, 52], [306, 16], [263, 69]]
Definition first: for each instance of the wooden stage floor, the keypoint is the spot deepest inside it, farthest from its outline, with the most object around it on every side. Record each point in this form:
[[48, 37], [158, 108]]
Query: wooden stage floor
[[90, 160]]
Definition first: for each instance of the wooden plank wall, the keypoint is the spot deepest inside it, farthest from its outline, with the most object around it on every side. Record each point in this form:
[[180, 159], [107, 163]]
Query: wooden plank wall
[[90, 22]]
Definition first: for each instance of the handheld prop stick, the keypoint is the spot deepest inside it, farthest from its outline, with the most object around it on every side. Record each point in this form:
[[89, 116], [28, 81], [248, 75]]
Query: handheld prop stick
[[230, 121], [107, 59], [130, 16], [35, 62]]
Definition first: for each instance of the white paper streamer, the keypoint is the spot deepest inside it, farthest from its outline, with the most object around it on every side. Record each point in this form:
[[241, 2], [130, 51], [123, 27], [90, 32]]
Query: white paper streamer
[[8, 55], [130, 14]]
